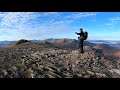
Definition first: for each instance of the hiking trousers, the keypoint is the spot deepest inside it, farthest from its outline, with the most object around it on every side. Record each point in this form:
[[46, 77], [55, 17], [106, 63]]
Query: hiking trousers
[[81, 45]]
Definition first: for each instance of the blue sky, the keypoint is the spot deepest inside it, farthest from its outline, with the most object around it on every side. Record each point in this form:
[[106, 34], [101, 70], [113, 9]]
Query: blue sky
[[44, 25]]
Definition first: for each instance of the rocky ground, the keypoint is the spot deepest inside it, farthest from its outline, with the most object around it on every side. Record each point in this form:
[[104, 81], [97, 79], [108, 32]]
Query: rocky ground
[[49, 62]]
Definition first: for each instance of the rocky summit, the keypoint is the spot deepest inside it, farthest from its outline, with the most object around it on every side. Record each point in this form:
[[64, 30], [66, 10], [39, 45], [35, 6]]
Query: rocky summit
[[44, 61]]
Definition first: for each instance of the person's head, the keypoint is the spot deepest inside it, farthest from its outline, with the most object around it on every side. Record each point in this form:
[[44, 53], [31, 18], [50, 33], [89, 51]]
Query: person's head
[[81, 30]]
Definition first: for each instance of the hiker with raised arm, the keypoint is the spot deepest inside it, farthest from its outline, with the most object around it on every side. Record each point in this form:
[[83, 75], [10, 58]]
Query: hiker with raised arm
[[83, 36]]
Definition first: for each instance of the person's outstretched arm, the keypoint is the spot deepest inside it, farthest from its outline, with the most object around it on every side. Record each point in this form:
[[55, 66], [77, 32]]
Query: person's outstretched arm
[[77, 33]]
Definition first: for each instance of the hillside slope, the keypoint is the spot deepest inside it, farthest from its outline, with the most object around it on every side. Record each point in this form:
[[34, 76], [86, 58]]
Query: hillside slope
[[44, 61], [67, 43]]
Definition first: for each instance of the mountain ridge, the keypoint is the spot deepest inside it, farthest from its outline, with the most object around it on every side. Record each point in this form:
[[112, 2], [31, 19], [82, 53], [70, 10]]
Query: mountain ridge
[[47, 62], [72, 44]]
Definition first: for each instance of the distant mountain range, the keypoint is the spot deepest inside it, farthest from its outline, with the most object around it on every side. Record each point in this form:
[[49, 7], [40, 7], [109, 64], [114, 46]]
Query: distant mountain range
[[107, 48], [112, 43], [65, 41], [4, 43]]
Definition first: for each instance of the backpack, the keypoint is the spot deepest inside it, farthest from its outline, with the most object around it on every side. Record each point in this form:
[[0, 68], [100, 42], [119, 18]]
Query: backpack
[[85, 35]]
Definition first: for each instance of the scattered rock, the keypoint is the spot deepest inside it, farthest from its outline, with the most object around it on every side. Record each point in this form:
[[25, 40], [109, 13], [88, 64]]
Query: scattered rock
[[78, 75], [100, 75], [91, 73], [86, 76], [29, 73], [50, 62], [4, 72]]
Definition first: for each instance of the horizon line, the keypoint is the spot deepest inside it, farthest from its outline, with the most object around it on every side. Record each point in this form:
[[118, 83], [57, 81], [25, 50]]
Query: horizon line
[[64, 38]]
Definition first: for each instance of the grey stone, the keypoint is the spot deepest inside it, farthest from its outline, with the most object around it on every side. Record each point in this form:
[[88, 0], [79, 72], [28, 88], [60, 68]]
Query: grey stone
[[100, 75], [75, 69], [66, 67], [90, 72], [4, 72], [78, 75], [86, 76]]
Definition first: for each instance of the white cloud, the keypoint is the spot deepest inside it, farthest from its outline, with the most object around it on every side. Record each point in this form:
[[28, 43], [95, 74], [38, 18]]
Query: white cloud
[[42, 32], [17, 25], [62, 22], [14, 19], [113, 21], [68, 19], [81, 15], [50, 13], [36, 25]]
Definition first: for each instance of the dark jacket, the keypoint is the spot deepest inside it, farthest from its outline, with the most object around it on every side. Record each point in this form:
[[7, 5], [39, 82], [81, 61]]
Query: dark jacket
[[81, 34]]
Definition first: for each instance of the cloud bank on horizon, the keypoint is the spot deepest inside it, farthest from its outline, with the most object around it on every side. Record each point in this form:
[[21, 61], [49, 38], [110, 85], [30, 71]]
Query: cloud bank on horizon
[[44, 25]]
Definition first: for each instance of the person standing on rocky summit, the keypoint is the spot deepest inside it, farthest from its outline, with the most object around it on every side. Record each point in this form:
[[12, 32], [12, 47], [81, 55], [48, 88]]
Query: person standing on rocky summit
[[83, 36]]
